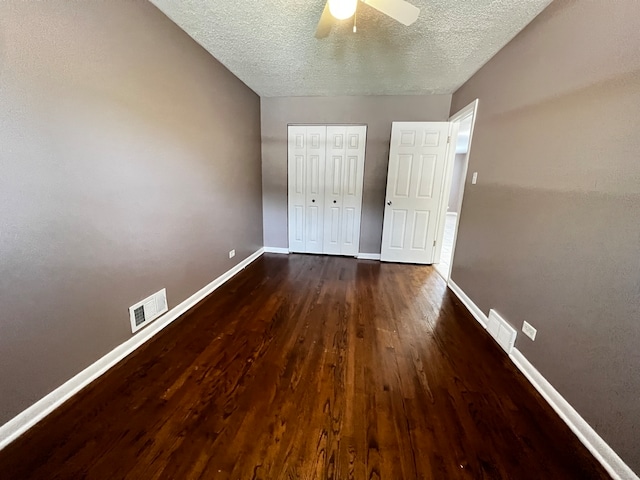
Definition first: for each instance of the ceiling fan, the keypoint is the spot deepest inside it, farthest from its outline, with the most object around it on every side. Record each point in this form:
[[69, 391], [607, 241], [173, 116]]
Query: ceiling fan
[[399, 10]]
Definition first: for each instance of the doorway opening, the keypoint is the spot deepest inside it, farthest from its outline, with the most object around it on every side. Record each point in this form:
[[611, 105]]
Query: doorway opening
[[465, 119]]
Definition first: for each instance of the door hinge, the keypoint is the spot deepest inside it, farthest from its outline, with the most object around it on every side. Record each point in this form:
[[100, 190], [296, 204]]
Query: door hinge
[[449, 139], [434, 243]]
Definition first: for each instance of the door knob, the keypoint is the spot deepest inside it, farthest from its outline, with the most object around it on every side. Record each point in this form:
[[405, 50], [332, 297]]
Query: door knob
[[389, 202], [335, 201], [313, 201]]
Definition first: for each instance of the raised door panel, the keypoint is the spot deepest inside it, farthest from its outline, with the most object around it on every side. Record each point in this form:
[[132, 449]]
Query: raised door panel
[[420, 227], [426, 176], [314, 166], [298, 225], [398, 227], [401, 180], [350, 232], [332, 228]]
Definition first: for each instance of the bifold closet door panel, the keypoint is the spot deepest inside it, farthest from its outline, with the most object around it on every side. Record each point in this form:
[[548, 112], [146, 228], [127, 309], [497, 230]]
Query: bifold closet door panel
[[306, 167], [343, 189], [315, 173], [352, 186], [297, 154], [333, 194]]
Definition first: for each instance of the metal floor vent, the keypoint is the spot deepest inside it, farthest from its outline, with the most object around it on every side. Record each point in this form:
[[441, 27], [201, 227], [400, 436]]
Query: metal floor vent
[[138, 313], [147, 310]]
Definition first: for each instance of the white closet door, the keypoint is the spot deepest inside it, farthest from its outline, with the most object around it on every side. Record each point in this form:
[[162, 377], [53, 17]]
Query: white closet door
[[343, 189], [352, 185], [306, 152], [334, 171], [326, 172], [415, 183], [315, 165], [297, 199]]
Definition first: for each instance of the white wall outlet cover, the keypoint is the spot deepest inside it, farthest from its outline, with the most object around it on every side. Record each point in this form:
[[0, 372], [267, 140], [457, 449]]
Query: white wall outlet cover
[[232, 253], [474, 178], [529, 331]]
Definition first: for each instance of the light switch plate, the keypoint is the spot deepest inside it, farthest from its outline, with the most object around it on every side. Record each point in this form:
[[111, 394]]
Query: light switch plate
[[474, 178], [232, 253]]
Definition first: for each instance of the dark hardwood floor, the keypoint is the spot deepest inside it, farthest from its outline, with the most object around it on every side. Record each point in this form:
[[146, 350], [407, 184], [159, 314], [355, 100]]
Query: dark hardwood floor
[[310, 367]]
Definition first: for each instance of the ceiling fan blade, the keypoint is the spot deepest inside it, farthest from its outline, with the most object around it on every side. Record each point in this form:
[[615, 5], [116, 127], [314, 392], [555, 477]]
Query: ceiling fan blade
[[399, 10], [325, 23]]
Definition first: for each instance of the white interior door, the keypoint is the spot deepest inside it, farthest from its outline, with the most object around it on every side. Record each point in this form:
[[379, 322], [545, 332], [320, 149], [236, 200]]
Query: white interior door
[[343, 189], [307, 154], [415, 184]]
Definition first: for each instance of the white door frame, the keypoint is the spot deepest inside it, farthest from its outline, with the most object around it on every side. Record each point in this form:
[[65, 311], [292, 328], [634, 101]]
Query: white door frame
[[444, 191], [471, 109]]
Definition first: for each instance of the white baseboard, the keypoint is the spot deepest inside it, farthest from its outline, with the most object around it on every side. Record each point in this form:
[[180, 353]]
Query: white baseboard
[[368, 256], [43, 407], [472, 307], [283, 251], [609, 459]]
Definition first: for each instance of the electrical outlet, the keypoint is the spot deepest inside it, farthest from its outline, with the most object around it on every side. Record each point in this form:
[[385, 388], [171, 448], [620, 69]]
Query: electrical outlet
[[232, 253], [529, 331], [474, 178]]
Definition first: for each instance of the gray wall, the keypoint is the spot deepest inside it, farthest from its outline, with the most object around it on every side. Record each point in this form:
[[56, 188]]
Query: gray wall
[[129, 161], [551, 232], [376, 112]]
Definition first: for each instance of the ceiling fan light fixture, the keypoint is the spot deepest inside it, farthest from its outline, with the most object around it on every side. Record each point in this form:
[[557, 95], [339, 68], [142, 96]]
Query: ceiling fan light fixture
[[342, 9]]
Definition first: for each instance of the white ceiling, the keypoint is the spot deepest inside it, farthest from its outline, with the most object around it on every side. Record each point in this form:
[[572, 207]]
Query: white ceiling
[[270, 44]]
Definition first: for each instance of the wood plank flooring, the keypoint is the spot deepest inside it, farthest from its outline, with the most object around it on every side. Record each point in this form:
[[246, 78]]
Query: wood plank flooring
[[310, 367]]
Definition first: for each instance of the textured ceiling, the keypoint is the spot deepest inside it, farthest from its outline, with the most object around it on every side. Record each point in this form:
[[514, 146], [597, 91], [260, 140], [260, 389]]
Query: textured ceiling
[[270, 44]]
